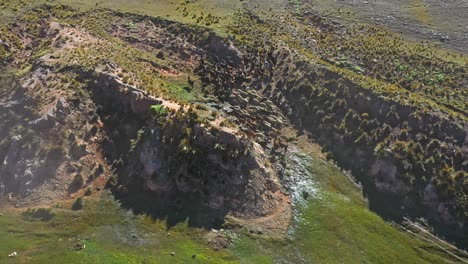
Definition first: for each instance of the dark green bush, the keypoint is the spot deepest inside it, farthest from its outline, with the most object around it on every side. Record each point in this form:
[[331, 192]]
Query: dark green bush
[[77, 183], [88, 192], [78, 204]]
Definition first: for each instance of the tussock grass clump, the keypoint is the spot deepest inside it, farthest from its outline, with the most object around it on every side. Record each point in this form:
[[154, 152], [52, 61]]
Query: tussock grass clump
[[39, 214]]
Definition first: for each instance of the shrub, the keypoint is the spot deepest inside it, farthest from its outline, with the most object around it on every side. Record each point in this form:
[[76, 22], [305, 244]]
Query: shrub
[[364, 126], [459, 177], [363, 140], [112, 180], [160, 55], [200, 107], [134, 142], [78, 204], [458, 159], [404, 134], [433, 145], [77, 183], [88, 192], [159, 110]]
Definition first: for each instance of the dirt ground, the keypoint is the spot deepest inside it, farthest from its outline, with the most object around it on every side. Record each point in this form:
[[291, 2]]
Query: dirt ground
[[441, 21]]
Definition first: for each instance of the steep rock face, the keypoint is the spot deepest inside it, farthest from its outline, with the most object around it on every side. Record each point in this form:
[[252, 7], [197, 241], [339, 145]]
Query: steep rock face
[[88, 109], [187, 164], [386, 178], [123, 96], [394, 149], [16, 170], [216, 168], [46, 139], [223, 49]]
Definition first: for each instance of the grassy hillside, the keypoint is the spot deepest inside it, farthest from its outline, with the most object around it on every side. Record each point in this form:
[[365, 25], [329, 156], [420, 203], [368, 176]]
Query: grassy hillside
[[355, 84], [333, 226]]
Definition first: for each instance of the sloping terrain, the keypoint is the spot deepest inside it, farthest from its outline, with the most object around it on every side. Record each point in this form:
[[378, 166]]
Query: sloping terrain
[[223, 131], [443, 22]]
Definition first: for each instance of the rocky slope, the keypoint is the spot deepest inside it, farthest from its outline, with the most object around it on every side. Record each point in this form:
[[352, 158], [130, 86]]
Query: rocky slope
[[91, 125], [177, 118]]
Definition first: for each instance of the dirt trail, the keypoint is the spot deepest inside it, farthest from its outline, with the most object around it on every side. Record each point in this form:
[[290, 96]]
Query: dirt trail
[[215, 123], [276, 223]]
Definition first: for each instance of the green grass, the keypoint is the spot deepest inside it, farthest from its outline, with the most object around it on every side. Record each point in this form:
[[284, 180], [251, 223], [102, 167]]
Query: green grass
[[179, 90], [337, 227], [168, 9], [251, 250], [107, 231], [25, 70], [440, 93], [336, 224]]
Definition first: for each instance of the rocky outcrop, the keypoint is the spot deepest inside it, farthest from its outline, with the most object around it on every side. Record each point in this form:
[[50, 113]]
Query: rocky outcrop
[[56, 113], [223, 49], [123, 95], [190, 164], [386, 178], [44, 140], [393, 147]]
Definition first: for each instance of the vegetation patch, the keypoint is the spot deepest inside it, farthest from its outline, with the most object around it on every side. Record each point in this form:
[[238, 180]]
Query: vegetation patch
[[39, 214]]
